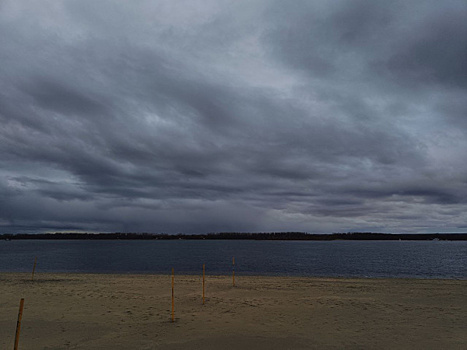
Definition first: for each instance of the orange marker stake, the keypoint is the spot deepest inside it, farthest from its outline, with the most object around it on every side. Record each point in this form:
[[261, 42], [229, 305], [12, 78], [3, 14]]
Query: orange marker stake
[[173, 303], [18, 323], [34, 268], [204, 267], [233, 271]]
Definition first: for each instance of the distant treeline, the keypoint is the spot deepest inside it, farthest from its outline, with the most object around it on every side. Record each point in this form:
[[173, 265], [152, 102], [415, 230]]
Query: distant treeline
[[296, 236]]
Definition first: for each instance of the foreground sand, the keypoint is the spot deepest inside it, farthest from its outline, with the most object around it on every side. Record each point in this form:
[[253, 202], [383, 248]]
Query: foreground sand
[[78, 311]]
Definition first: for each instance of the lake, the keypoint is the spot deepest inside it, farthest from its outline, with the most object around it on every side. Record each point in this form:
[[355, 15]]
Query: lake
[[415, 259]]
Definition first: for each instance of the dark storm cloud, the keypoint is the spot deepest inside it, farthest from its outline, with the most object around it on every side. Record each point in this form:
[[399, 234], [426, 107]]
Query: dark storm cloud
[[435, 53], [61, 98], [413, 43], [245, 116]]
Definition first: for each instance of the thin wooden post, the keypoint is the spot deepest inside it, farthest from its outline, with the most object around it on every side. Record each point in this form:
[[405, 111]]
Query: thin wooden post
[[18, 323], [34, 268], [204, 269], [233, 271], [173, 302]]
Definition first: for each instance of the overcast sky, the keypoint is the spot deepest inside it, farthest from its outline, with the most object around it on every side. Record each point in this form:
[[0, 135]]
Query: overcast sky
[[206, 116]]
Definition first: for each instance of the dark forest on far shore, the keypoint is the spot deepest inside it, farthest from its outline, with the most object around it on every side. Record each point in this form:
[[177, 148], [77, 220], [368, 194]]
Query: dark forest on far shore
[[296, 236]]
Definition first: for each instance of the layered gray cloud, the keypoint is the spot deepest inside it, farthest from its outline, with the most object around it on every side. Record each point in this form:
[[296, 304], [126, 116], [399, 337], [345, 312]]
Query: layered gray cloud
[[210, 116]]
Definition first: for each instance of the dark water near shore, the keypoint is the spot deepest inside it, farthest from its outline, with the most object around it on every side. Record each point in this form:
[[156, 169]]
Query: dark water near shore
[[417, 259]]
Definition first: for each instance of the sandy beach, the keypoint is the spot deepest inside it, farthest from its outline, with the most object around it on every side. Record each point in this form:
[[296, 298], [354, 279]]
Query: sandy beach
[[82, 311]]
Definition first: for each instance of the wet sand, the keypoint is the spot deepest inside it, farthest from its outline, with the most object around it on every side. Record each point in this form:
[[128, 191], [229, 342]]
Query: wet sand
[[80, 311]]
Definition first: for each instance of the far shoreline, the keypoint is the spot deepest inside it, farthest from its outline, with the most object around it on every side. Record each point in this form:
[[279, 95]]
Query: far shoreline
[[255, 236]]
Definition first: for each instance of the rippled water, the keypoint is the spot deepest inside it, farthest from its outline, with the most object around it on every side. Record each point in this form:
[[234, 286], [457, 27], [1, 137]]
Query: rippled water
[[420, 259]]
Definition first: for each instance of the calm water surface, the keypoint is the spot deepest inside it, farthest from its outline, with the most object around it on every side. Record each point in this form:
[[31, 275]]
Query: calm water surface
[[426, 259]]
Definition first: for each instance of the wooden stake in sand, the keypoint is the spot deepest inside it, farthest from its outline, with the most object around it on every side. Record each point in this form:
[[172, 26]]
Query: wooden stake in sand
[[204, 268], [34, 268], [233, 271], [173, 303], [18, 323]]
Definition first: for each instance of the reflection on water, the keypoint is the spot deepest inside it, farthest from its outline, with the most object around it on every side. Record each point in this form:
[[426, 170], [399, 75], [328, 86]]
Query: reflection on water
[[426, 259]]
